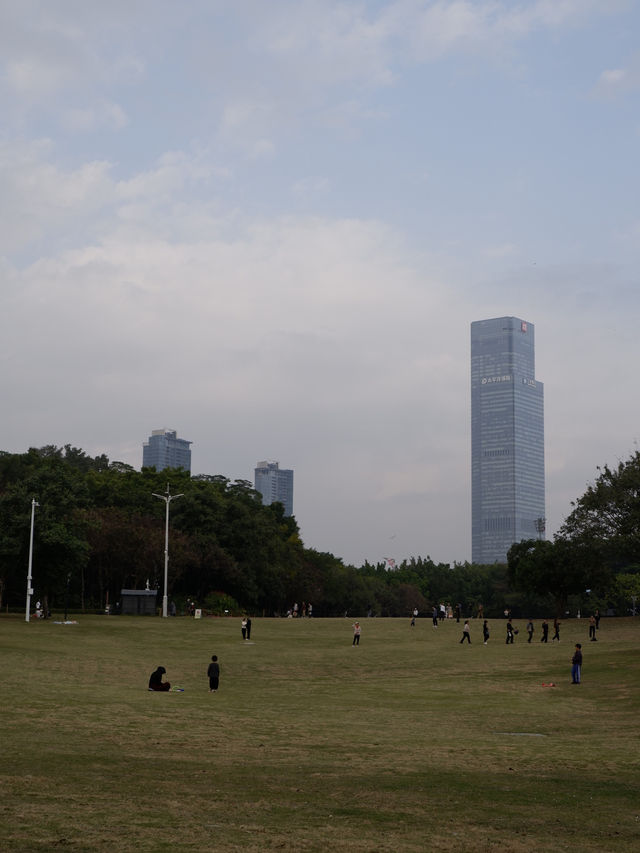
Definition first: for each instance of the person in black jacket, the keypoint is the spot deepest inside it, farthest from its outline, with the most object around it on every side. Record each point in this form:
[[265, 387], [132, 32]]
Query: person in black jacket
[[214, 674], [156, 682], [545, 631]]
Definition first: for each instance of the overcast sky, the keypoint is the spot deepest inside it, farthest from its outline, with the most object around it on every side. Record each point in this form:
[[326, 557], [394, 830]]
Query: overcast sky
[[268, 224]]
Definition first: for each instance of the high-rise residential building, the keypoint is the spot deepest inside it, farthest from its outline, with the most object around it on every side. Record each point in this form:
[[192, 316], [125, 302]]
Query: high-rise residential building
[[165, 450], [275, 484], [507, 438]]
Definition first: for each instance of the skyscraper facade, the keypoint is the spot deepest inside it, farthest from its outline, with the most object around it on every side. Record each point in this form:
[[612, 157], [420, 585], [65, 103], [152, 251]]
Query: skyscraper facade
[[275, 484], [507, 438], [165, 450]]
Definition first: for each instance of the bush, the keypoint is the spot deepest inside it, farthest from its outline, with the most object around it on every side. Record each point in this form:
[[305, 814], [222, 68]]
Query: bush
[[221, 604]]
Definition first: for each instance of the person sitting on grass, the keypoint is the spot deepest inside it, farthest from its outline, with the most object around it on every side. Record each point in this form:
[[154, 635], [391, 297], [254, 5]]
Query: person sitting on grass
[[156, 682]]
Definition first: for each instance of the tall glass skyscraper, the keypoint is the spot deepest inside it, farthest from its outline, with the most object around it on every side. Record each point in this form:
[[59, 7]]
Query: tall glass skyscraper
[[165, 450], [507, 438], [275, 484]]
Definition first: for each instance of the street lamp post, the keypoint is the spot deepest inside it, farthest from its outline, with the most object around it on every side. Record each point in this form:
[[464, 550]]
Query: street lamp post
[[34, 504], [167, 499], [66, 596]]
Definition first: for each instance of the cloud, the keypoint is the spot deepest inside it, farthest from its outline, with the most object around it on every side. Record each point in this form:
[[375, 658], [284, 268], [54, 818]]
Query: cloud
[[617, 82], [40, 200], [435, 29], [44, 205], [310, 185], [105, 115]]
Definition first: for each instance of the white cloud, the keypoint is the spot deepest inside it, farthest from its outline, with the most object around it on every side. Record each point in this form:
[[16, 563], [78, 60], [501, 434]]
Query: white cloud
[[310, 185], [614, 82], [39, 199], [434, 28], [105, 115]]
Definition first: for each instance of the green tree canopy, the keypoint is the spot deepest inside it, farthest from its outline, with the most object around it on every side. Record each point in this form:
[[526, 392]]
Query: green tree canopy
[[607, 517]]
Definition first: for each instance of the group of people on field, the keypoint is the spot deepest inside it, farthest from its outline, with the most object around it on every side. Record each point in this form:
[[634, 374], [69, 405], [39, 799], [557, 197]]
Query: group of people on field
[[594, 625], [303, 611], [576, 660]]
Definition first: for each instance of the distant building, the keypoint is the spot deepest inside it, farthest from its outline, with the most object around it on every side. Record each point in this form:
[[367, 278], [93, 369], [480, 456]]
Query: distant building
[[275, 484], [165, 450], [507, 438]]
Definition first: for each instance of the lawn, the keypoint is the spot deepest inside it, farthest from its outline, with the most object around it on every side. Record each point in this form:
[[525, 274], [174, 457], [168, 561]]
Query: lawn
[[408, 742]]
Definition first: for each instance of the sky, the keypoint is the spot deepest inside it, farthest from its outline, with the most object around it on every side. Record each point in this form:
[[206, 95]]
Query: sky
[[269, 225]]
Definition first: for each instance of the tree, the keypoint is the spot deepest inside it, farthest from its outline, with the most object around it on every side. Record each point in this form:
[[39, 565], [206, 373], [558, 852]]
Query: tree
[[607, 517], [557, 569], [60, 547]]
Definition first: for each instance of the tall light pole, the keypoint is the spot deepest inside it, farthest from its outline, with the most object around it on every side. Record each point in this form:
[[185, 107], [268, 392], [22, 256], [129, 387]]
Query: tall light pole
[[167, 499], [34, 504]]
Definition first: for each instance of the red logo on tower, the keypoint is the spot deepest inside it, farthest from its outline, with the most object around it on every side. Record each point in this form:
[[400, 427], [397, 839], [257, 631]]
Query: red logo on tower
[[523, 326]]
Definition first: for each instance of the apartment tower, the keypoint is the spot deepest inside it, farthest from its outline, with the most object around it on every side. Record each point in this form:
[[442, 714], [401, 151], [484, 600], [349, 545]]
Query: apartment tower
[[165, 450], [275, 484]]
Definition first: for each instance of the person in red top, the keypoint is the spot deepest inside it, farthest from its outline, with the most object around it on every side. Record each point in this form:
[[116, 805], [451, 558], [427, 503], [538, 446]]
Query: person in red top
[[356, 634]]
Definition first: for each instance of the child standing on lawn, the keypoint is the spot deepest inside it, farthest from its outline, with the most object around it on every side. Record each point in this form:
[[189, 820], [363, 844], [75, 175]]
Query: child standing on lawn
[[214, 674]]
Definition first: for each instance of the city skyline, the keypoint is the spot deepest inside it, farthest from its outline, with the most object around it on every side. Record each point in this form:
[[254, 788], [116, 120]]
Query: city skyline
[[507, 438], [271, 226]]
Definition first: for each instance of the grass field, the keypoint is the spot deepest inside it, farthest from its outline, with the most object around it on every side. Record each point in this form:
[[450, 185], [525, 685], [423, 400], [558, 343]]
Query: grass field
[[408, 742]]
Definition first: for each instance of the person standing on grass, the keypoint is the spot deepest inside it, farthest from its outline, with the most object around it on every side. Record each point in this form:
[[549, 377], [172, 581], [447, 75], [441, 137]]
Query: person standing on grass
[[592, 629], [485, 632], [530, 630], [556, 630], [545, 631], [434, 616], [243, 627], [509, 632], [597, 618], [156, 682], [356, 634], [214, 674], [576, 664], [465, 633]]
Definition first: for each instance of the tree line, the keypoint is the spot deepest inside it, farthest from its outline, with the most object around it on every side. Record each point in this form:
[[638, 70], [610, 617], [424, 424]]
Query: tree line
[[100, 529]]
